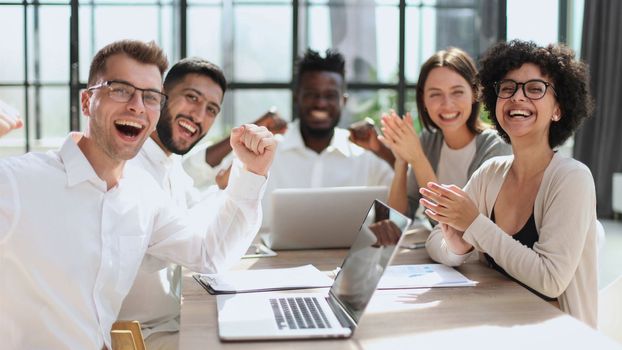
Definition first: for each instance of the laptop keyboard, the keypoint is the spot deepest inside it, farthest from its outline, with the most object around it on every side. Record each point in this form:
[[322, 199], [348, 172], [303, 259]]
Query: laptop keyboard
[[298, 313]]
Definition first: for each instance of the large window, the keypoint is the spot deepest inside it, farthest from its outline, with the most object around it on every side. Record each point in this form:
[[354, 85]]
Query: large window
[[46, 51]]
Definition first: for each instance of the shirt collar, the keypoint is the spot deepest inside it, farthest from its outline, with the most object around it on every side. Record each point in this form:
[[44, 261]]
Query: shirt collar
[[293, 140], [155, 154], [77, 167]]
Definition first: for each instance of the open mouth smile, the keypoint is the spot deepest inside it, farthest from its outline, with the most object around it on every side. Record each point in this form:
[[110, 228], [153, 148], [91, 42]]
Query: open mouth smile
[[449, 116], [187, 126], [519, 113], [319, 115], [128, 128]]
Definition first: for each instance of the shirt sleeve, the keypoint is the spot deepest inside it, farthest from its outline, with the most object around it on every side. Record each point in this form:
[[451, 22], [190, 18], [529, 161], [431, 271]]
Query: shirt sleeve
[[9, 203], [382, 172], [202, 173], [215, 233], [438, 250], [568, 211]]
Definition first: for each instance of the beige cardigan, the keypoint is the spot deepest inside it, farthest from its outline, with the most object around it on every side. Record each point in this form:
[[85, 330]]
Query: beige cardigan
[[563, 262]]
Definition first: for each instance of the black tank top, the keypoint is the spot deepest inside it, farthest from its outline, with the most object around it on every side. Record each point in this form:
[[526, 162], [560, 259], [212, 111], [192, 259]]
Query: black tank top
[[528, 235]]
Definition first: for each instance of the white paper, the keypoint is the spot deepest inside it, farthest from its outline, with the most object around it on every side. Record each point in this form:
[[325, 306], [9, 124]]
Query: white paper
[[423, 276], [307, 276]]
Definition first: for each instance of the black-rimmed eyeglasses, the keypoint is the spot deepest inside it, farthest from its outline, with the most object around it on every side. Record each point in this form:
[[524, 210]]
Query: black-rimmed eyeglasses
[[534, 89], [121, 91]]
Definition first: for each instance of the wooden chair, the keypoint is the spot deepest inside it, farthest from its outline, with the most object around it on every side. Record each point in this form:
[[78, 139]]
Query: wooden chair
[[126, 335]]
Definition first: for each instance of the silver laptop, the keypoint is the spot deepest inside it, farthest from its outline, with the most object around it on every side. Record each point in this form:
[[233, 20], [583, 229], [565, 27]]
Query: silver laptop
[[287, 315], [311, 218]]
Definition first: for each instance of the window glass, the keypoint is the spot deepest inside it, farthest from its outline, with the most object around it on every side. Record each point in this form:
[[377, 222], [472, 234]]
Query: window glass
[[145, 2], [12, 39], [542, 26], [262, 43], [576, 25], [52, 55], [455, 24], [204, 33], [367, 103], [204, 2], [13, 143], [366, 32], [102, 25], [252, 104], [246, 106], [54, 113]]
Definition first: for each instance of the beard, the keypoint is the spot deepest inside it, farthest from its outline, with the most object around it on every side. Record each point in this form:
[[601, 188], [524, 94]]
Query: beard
[[319, 133], [165, 134]]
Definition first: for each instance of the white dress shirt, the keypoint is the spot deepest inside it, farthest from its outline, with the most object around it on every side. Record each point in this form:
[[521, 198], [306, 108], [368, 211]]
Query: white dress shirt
[[70, 249], [155, 297], [342, 163]]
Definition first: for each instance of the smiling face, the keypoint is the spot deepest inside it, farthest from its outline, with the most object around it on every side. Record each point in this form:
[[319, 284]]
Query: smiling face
[[523, 118], [320, 98], [448, 99], [193, 104], [119, 129]]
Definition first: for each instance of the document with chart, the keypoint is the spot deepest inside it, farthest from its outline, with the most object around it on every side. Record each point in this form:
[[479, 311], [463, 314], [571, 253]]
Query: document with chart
[[423, 276]]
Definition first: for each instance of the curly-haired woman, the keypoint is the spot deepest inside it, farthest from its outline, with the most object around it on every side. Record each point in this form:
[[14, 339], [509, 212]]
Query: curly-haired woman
[[531, 215]]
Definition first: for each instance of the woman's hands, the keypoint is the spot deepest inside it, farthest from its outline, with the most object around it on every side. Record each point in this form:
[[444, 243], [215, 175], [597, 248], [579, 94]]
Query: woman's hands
[[400, 135], [453, 209]]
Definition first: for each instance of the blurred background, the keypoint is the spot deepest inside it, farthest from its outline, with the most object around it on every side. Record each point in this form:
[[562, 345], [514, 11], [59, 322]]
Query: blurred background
[[47, 45]]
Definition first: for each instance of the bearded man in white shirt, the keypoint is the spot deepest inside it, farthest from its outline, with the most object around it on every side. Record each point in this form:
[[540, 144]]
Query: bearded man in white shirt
[[195, 88], [314, 151], [76, 223]]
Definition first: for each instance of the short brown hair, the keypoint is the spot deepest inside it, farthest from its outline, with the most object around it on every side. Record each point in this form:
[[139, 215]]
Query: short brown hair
[[460, 62], [144, 52]]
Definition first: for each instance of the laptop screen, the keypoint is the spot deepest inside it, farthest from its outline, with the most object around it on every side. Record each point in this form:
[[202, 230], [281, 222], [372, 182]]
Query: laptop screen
[[369, 256]]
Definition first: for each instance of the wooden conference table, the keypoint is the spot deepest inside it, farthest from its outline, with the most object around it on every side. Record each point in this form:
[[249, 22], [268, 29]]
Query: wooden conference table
[[497, 313]]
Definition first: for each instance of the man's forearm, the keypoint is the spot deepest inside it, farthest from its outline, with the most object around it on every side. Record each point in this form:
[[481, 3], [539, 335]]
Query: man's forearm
[[215, 153], [386, 154]]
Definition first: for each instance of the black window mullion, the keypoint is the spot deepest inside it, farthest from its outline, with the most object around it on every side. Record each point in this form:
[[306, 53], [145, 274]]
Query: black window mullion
[[295, 34], [503, 20], [36, 68], [183, 28], [74, 68], [26, 92], [562, 33], [401, 80]]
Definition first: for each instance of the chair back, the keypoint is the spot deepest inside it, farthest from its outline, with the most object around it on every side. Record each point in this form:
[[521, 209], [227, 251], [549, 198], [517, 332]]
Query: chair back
[[126, 335]]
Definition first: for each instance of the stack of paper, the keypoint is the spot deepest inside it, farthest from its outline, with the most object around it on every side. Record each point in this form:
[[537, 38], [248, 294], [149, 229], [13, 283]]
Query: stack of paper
[[307, 276]]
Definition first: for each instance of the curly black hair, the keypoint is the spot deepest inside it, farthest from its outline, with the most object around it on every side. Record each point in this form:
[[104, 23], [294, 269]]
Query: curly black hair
[[312, 61], [569, 77]]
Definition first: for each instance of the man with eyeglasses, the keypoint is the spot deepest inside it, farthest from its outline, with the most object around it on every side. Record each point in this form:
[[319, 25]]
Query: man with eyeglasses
[[195, 88], [314, 152], [76, 223]]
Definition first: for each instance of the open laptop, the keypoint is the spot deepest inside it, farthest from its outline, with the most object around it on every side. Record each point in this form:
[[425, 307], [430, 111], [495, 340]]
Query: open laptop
[[287, 315], [312, 218]]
